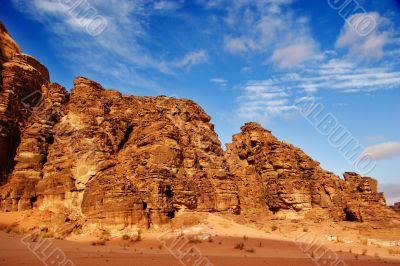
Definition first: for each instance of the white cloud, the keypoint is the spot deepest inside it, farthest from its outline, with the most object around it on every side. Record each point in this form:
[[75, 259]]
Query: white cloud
[[369, 47], [263, 100], [166, 5], [384, 150], [267, 28], [295, 54], [275, 97], [219, 81], [193, 58]]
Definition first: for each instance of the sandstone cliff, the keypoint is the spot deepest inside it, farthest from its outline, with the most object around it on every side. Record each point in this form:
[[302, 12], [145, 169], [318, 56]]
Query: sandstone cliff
[[98, 156], [280, 178]]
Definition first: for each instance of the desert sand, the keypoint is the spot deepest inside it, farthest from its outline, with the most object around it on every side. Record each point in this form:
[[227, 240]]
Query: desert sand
[[214, 240]]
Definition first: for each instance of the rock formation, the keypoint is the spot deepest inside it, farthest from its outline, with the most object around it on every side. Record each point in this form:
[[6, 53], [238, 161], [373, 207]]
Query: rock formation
[[125, 160], [277, 177]]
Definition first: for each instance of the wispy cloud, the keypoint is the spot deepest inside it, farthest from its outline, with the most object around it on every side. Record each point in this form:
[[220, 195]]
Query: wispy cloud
[[384, 150], [219, 81], [167, 5], [268, 28], [369, 47], [262, 100], [191, 59]]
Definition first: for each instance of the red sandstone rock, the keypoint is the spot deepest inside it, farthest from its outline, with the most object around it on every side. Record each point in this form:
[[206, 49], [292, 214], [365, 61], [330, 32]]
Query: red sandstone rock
[[101, 157]]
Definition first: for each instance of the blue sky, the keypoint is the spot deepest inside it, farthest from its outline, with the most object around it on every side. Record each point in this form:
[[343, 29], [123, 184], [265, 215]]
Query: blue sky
[[243, 60]]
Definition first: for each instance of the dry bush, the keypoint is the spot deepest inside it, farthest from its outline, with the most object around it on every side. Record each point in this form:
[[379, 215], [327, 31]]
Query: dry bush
[[100, 242], [274, 227], [394, 252], [239, 246], [138, 236], [250, 250], [364, 253], [194, 239]]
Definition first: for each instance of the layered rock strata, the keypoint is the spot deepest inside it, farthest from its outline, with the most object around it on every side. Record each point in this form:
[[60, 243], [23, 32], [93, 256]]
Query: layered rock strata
[[105, 158]]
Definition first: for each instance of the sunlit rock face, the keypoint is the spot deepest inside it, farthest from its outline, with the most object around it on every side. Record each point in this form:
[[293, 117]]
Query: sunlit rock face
[[105, 158], [276, 177]]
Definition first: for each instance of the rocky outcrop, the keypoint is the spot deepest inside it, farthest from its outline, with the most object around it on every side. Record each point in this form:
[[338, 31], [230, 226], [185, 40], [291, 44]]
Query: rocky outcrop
[[104, 158], [122, 160], [279, 178], [22, 81]]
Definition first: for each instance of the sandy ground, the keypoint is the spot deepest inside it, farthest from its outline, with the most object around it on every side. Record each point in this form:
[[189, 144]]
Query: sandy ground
[[217, 241]]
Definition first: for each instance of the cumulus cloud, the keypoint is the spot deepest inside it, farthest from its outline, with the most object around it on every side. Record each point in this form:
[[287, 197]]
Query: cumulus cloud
[[384, 150], [365, 47]]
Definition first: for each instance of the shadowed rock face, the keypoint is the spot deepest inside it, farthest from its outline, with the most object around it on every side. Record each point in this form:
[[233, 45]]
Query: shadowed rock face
[[126, 160]]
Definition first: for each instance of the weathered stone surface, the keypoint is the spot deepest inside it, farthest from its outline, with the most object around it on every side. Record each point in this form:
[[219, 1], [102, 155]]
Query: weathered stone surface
[[133, 160], [8, 47], [22, 80], [277, 177], [109, 159]]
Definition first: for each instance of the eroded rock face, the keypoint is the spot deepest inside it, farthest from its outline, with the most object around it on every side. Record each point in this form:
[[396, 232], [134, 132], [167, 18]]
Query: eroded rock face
[[277, 177], [105, 158], [22, 81], [133, 160]]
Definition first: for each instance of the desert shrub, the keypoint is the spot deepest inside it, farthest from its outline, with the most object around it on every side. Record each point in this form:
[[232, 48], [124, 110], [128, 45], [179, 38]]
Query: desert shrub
[[394, 252], [305, 230], [274, 227], [194, 239], [100, 242], [239, 246], [245, 238], [126, 237], [250, 250], [138, 236], [364, 252]]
